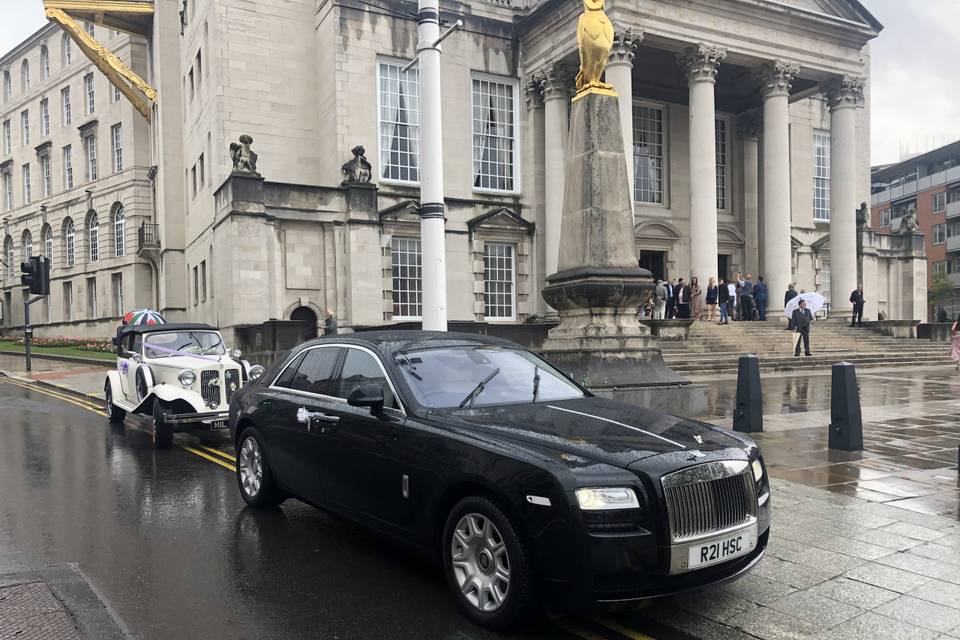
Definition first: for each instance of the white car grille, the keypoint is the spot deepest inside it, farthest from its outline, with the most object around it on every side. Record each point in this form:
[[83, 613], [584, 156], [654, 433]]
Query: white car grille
[[210, 387]]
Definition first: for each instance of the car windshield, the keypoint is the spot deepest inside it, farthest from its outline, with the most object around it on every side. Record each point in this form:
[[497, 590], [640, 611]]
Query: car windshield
[[472, 376], [183, 343]]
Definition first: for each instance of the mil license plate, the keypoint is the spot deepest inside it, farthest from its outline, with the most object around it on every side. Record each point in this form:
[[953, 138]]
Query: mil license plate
[[722, 549], [218, 425]]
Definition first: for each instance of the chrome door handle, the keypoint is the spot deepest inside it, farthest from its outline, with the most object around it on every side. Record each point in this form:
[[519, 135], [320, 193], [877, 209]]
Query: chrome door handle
[[309, 417]]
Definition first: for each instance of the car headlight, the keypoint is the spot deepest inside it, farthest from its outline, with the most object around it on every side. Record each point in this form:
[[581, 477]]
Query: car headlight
[[187, 378], [757, 470], [603, 498], [256, 371], [236, 353]]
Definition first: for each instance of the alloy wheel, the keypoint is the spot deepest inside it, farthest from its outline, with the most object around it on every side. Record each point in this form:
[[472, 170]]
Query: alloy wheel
[[481, 564], [251, 467]]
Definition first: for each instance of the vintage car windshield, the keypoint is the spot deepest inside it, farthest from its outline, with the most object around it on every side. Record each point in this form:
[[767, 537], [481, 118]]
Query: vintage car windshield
[[183, 343], [476, 376]]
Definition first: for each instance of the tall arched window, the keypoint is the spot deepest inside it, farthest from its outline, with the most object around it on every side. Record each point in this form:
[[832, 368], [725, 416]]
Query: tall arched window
[[7, 86], [119, 229], [66, 51], [93, 237], [25, 76], [44, 63], [47, 235], [27, 243], [8, 255], [70, 242]]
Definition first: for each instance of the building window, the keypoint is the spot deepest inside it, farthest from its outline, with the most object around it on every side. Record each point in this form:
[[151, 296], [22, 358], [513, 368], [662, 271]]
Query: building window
[[27, 242], [201, 171], [498, 281], [494, 135], [193, 181], [114, 93], [90, 153], [648, 145], [66, 50], [203, 281], [25, 127], [7, 138], [198, 65], [9, 255], [67, 301], [939, 233], [67, 109], [940, 202], [48, 244], [399, 116], [953, 196], [7, 86], [196, 286], [44, 118], [191, 88], [44, 63], [119, 232], [940, 268], [88, 91], [721, 144], [116, 286], [69, 243], [67, 168], [899, 210], [821, 175], [824, 279], [25, 76], [92, 298], [93, 237], [407, 278], [45, 175], [116, 139], [7, 191], [27, 183]]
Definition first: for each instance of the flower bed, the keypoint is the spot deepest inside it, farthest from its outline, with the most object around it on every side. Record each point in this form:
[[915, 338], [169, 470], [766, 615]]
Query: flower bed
[[82, 344]]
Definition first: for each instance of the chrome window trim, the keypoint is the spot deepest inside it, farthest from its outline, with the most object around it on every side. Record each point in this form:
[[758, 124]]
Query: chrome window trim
[[321, 396]]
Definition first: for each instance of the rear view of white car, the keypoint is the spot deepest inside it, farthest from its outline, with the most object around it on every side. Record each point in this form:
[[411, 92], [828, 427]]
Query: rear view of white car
[[180, 374]]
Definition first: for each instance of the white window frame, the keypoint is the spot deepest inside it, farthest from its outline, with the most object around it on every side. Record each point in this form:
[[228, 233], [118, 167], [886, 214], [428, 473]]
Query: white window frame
[[940, 267], [664, 153], [27, 185], [66, 50], [44, 62], [885, 217], [821, 183], [941, 237], [27, 242], [70, 244], [7, 137], [7, 177], [25, 127], [44, 117], [93, 238], [66, 106], [382, 154], [941, 200], [48, 244], [119, 233], [512, 282], [25, 76], [116, 142], [114, 93], [90, 156], [89, 94], [723, 202], [515, 151], [68, 167], [45, 175], [412, 292]]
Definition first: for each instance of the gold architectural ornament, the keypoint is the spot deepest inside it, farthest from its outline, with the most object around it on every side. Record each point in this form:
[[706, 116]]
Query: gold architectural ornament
[[116, 71], [595, 40]]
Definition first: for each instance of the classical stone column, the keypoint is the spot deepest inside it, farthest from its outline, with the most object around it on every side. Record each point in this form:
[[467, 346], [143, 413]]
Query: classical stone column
[[620, 75], [749, 124], [775, 79], [556, 101], [534, 95], [700, 65], [845, 95]]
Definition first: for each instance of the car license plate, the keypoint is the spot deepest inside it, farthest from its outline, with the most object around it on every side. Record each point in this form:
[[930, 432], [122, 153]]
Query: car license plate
[[218, 425], [722, 549]]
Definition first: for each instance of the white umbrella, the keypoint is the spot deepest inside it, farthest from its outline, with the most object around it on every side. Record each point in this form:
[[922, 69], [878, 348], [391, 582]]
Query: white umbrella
[[814, 301]]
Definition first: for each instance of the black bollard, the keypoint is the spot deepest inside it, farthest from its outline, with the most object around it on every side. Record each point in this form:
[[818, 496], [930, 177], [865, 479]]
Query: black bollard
[[846, 423], [748, 417]]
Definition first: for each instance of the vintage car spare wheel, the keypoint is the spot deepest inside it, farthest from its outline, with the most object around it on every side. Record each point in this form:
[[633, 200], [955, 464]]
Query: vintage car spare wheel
[[145, 382]]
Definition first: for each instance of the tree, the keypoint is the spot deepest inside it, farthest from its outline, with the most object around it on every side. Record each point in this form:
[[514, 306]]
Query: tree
[[941, 291]]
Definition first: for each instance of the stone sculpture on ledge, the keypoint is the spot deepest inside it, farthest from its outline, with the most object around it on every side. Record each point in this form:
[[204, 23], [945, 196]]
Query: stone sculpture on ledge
[[243, 157], [358, 170]]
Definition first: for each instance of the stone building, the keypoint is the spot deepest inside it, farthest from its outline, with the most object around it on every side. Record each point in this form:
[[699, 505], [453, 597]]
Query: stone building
[[74, 164], [748, 120]]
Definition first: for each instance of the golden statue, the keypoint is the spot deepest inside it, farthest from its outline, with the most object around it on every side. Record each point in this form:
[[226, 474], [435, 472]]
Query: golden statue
[[595, 40]]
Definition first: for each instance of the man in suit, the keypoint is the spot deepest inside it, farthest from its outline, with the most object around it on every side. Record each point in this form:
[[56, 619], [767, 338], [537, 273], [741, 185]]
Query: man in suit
[[760, 297], [857, 299], [802, 319], [682, 293], [671, 300], [746, 297]]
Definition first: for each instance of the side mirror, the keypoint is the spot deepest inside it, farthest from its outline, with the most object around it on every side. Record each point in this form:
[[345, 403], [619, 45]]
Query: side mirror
[[368, 395]]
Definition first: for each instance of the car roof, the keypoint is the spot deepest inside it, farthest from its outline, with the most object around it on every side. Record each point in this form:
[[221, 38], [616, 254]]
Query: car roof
[[163, 328], [395, 340]]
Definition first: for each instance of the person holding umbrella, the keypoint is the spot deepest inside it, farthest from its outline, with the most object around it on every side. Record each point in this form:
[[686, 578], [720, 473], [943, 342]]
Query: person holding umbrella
[[802, 319]]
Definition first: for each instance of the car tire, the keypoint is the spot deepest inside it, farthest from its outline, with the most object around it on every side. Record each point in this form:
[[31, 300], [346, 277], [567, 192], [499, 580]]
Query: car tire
[[114, 413], [162, 430], [486, 564], [254, 477]]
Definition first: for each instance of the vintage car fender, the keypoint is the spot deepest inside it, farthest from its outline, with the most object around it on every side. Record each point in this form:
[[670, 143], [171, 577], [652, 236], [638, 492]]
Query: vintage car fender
[[116, 389], [170, 393]]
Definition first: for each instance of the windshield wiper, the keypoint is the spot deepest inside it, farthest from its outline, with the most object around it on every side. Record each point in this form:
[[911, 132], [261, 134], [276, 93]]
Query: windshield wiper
[[404, 360], [477, 390], [536, 382]]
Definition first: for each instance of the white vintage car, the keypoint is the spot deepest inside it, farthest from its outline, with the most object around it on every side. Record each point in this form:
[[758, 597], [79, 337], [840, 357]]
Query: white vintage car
[[180, 374]]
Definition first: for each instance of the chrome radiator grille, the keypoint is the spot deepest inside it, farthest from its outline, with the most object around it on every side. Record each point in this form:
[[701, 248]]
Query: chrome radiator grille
[[708, 499], [210, 386], [231, 379]]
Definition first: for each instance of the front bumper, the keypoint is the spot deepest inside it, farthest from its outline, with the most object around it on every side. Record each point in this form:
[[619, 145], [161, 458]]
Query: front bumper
[[208, 417]]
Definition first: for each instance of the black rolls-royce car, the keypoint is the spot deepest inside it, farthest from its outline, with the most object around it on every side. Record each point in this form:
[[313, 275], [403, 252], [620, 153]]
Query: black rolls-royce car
[[526, 487]]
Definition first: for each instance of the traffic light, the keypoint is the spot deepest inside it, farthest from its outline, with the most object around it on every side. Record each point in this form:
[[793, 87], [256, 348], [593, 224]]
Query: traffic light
[[36, 275]]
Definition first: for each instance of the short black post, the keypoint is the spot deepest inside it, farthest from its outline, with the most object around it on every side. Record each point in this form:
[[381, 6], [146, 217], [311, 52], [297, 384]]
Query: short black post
[[748, 417], [846, 422]]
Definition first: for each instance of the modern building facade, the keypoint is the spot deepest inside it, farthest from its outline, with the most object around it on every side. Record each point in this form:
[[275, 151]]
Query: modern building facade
[[929, 184], [74, 159], [746, 125]]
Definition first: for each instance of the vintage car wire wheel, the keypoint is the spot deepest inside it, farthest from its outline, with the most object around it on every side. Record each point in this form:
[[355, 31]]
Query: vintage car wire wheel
[[480, 562], [114, 413], [251, 467]]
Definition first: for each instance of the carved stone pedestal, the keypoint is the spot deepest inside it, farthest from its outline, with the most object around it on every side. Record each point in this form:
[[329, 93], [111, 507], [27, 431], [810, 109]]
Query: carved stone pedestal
[[598, 285]]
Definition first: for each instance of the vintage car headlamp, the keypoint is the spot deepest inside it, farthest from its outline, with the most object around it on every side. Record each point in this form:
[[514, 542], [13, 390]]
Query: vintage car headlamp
[[757, 470], [236, 353], [604, 498], [256, 372], [187, 378]]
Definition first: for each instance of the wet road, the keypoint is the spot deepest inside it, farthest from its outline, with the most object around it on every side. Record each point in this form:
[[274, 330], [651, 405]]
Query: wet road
[[168, 541]]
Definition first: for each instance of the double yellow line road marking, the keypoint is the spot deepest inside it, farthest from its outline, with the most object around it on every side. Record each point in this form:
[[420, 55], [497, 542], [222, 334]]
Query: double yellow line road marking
[[210, 454]]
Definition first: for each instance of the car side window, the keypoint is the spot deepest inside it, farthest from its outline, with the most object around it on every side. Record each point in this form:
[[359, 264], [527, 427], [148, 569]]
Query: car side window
[[287, 376], [360, 368], [315, 373], [136, 343]]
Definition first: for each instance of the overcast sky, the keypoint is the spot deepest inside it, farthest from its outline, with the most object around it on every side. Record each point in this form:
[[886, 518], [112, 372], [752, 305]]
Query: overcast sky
[[915, 95]]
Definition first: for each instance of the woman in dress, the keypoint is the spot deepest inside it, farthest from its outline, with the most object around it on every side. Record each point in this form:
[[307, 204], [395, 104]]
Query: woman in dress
[[696, 299], [713, 293], [955, 343]]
